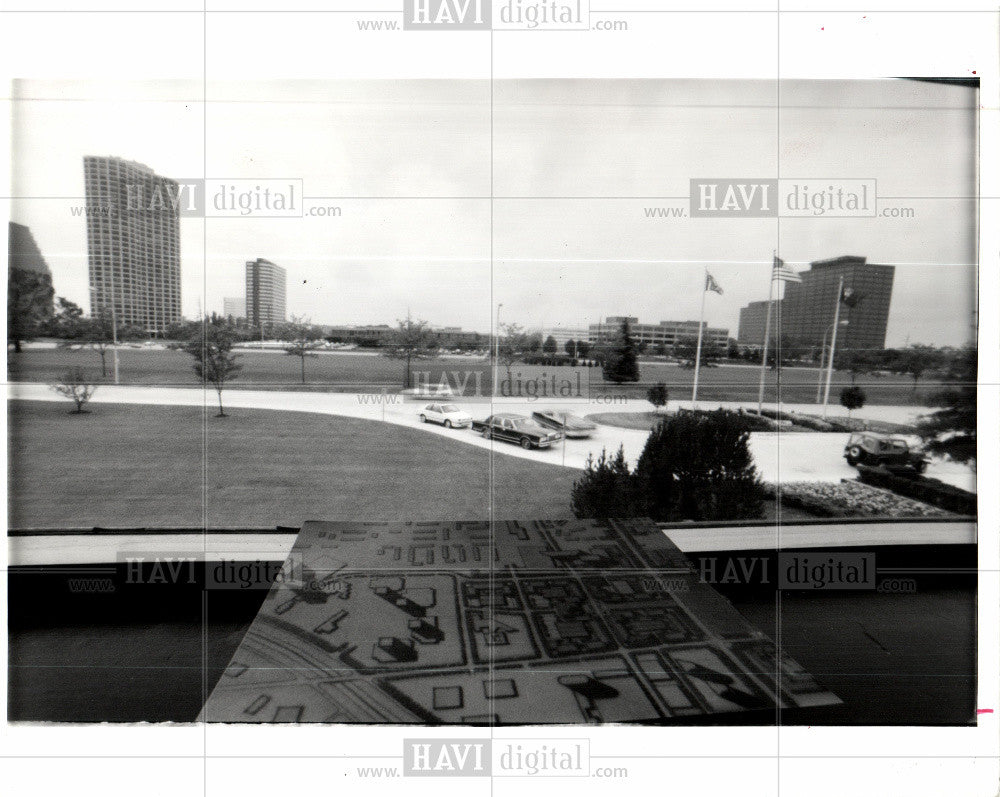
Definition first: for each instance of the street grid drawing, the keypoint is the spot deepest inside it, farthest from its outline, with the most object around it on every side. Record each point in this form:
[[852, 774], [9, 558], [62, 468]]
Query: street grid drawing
[[540, 622]]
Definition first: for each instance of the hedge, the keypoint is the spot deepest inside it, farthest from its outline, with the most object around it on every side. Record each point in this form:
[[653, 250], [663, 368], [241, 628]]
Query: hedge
[[804, 421], [930, 491]]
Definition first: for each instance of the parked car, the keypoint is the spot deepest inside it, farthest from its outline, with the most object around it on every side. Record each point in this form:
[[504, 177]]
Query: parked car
[[891, 452], [565, 422], [518, 429], [448, 415]]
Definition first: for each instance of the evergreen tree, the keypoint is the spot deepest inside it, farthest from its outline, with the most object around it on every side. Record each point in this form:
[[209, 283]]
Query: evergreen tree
[[607, 489], [621, 363], [951, 430]]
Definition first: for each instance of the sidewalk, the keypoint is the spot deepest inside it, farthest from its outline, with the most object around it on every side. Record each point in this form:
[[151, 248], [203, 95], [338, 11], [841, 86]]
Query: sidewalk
[[793, 456]]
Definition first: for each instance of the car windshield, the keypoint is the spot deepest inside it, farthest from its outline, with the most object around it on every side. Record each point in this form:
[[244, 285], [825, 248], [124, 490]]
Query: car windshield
[[449, 408]]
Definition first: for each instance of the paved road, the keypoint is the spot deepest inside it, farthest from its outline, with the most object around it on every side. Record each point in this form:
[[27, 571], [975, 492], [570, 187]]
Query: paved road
[[798, 456]]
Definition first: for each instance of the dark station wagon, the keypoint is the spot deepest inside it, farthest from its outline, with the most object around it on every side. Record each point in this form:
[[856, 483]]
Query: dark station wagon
[[516, 429]]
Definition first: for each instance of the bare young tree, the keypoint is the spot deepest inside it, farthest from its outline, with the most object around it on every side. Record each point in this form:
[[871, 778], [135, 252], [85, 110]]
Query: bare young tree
[[77, 388], [304, 340], [214, 361], [513, 344], [412, 340]]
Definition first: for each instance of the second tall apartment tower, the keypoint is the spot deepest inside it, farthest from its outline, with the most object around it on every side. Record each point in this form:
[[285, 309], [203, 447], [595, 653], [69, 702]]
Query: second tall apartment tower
[[265, 293]]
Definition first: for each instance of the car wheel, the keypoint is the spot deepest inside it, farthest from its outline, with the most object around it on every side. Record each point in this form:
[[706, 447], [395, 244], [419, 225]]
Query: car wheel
[[525, 443], [423, 419], [447, 424], [853, 455]]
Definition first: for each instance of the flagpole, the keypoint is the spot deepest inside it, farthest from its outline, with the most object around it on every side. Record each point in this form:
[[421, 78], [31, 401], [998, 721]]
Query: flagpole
[[697, 352], [767, 335], [833, 345]]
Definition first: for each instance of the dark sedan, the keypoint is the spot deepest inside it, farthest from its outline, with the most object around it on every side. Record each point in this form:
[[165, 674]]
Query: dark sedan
[[565, 422], [516, 429]]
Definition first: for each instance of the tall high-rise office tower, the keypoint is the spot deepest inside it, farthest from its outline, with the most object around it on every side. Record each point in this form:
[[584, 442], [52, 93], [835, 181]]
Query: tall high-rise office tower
[[265, 293]]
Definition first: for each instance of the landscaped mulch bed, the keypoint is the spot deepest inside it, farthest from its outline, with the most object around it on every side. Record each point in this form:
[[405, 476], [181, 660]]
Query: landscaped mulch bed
[[850, 498]]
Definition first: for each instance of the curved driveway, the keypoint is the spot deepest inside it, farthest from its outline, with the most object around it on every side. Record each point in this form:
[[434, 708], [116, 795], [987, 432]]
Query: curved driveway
[[794, 456]]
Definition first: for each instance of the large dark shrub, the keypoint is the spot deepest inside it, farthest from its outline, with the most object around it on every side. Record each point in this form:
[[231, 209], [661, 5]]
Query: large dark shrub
[[697, 466]]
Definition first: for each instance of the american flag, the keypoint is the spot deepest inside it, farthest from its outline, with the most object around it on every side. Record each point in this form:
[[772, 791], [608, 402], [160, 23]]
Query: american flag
[[783, 273], [711, 284]]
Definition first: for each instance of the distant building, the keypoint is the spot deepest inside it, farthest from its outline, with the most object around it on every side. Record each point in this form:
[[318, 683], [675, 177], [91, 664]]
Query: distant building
[[753, 319], [808, 307], [665, 333], [234, 308], [23, 252], [805, 315], [379, 334], [29, 286], [133, 243], [360, 335], [265, 299], [456, 337], [563, 334]]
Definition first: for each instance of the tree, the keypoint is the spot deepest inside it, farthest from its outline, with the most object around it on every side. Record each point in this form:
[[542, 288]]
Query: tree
[[853, 398], [550, 346], [512, 345], [916, 360], [951, 430], [607, 489], [621, 363], [570, 347], [29, 304], [304, 341], [698, 466], [657, 395], [790, 349], [732, 349], [855, 361], [214, 362], [66, 322], [77, 387], [685, 349], [582, 348], [98, 333], [411, 340]]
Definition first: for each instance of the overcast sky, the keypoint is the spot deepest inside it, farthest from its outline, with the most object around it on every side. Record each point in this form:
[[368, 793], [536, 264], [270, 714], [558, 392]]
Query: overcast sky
[[574, 163]]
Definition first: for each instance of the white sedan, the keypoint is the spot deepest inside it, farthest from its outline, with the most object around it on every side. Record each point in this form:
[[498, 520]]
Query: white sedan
[[448, 415]]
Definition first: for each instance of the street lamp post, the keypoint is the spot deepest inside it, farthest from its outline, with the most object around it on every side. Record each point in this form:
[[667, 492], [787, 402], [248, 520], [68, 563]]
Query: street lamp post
[[496, 353], [833, 346]]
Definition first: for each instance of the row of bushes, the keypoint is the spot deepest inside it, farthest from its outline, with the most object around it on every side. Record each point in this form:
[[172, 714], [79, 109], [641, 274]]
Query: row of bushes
[[930, 491], [851, 499], [801, 420], [746, 421]]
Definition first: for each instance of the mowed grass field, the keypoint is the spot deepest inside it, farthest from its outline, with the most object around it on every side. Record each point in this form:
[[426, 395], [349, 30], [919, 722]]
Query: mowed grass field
[[361, 372], [136, 466]]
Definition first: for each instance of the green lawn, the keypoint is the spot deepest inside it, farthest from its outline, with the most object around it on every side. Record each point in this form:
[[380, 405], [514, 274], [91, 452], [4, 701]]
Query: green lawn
[[356, 372], [134, 466]]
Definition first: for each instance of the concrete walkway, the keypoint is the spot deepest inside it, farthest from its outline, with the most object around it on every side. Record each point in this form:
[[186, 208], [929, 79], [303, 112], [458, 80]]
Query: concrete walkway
[[793, 456]]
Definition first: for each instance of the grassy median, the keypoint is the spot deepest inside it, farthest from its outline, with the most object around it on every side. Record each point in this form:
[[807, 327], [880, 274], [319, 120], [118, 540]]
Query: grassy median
[[137, 466]]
